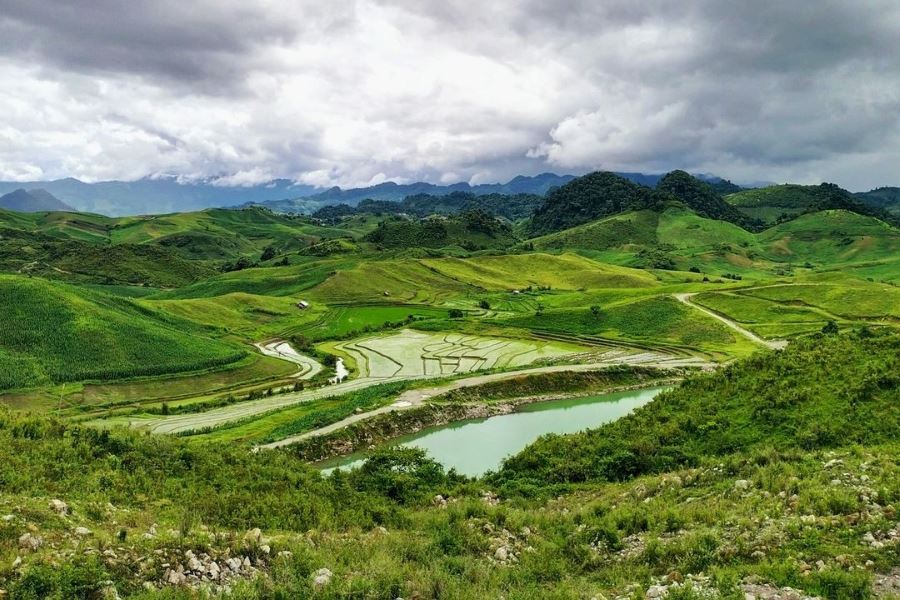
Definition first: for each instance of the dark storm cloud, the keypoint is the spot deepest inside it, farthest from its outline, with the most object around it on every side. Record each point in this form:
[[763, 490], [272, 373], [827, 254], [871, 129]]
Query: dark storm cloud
[[358, 92], [201, 43]]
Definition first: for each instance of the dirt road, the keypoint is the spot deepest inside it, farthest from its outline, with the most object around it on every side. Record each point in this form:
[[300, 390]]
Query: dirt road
[[773, 344], [416, 397]]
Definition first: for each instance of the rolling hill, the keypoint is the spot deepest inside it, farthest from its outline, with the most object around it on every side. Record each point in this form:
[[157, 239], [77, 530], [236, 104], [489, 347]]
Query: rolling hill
[[602, 194], [780, 203], [677, 237], [54, 333]]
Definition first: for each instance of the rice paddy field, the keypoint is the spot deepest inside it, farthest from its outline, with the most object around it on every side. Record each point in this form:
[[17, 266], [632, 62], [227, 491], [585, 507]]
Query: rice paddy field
[[413, 354]]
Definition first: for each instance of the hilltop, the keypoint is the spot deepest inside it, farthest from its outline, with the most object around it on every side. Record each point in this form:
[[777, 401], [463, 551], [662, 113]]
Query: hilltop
[[32, 201], [602, 194], [781, 203]]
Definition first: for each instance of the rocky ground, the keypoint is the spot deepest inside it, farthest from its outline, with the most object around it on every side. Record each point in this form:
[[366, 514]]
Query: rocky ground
[[761, 529]]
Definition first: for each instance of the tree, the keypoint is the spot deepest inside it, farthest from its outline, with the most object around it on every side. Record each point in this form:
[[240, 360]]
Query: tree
[[596, 311], [455, 313], [268, 253], [830, 328], [484, 304]]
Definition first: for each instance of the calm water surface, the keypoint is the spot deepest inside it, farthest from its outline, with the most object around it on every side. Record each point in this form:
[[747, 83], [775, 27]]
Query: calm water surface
[[474, 447]]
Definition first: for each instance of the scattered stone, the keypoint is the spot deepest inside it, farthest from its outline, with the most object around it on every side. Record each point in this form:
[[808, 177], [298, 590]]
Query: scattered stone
[[761, 591], [742, 484], [321, 578], [59, 506], [31, 542], [502, 554], [17, 563], [82, 531], [439, 501]]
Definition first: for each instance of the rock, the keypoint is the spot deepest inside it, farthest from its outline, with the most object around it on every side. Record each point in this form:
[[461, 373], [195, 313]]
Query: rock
[[321, 578], [8, 518], [265, 549], [502, 554], [742, 484], [175, 576], [213, 570], [808, 519], [194, 565], [253, 536], [30, 542], [17, 563], [439, 501], [59, 506], [655, 592], [82, 531]]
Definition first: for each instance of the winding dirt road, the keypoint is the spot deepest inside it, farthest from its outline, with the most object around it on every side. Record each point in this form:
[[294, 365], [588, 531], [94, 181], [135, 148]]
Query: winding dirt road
[[772, 344]]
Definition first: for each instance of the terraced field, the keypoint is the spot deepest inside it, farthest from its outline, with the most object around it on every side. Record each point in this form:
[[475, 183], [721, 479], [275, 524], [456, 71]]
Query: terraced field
[[417, 354], [408, 355]]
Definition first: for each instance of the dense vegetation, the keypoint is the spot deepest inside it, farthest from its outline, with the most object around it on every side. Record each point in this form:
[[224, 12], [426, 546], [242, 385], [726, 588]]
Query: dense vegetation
[[471, 230], [825, 391], [512, 207], [703, 199], [587, 198]]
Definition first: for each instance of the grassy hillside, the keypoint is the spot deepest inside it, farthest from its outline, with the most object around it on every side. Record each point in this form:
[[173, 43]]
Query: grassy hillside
[[832, 237], [212, 234], [778, 471], [660, 319], [823, 392], [54, 333], [780, 203], [88, 262], [679, 238]]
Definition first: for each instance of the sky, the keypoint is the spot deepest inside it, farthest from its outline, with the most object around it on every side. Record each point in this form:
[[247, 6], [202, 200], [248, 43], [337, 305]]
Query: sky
[[357, 92]]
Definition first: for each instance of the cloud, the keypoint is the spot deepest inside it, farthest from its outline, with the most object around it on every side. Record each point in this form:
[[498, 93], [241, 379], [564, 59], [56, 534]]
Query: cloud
[[374, 90]]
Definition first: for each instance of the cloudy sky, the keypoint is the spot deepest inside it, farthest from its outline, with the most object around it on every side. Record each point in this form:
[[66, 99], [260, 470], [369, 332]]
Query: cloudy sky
[[357, 92]]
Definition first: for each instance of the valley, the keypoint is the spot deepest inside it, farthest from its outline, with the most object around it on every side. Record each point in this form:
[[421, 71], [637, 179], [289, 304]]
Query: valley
[[234, 341]]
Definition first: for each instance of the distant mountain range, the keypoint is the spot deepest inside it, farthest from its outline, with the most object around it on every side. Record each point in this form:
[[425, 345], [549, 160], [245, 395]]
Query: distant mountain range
[[38, 200], [168, 194], [158, 195]]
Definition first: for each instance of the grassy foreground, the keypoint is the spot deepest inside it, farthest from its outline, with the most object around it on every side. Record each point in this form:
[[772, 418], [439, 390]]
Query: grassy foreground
[[753, 486]]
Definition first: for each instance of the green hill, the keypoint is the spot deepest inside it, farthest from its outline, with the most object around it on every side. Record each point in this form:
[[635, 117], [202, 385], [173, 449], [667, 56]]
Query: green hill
[[588, 198], [702, 198], [56, 333], [822, 392], [781, 203], [887, 198], [213, 234], [681, 239], [471, 230]]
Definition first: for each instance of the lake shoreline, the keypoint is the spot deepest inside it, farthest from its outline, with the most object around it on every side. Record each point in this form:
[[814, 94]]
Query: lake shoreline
[[381, 429]]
